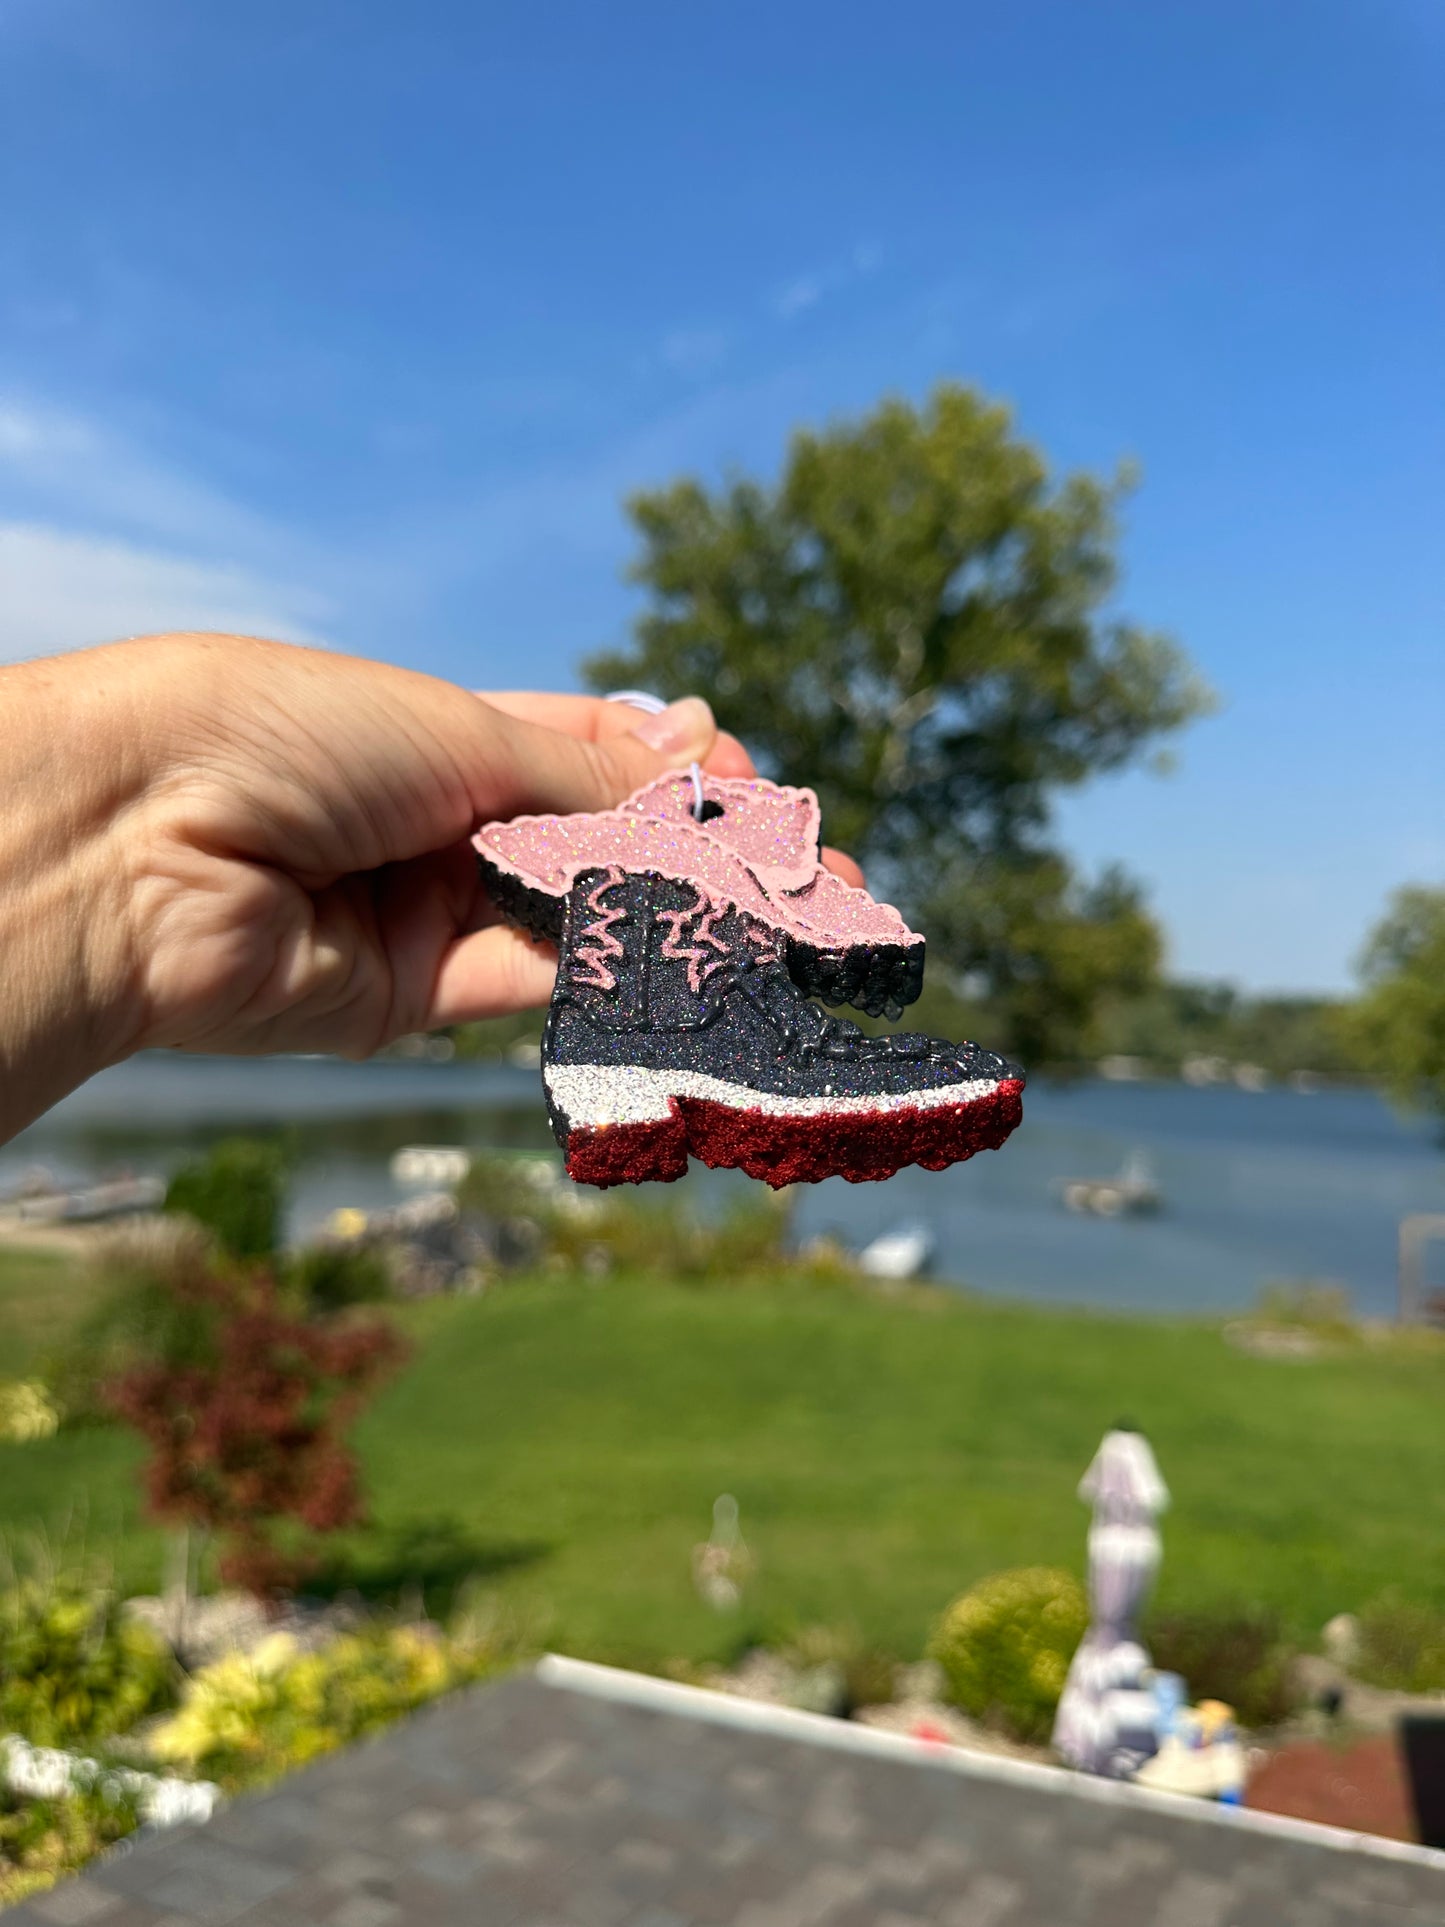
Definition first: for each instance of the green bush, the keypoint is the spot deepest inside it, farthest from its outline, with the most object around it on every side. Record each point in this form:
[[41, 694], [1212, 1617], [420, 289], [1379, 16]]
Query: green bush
[[1402, 1645], [40, 1840], [1005, 1647], [494, 1039], [73, 1670], [865, 1676], [330, 1277], [547, 1221], [236, 1193], [1308, 1304], [1241, 1658], [146, 1310]]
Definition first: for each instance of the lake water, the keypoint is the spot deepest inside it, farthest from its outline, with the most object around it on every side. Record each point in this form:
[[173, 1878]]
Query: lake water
[[1257, 1186]]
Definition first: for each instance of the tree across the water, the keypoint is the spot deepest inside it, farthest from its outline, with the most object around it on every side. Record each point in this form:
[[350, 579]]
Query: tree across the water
[[1397, 1029], [916, 620]]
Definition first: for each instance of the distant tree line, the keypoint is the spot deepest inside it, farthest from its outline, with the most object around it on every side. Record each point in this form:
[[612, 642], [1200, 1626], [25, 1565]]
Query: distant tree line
[[1174, 1025]]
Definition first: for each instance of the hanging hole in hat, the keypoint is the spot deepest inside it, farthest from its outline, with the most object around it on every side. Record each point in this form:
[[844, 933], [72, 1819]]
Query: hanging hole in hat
[[703, 807]]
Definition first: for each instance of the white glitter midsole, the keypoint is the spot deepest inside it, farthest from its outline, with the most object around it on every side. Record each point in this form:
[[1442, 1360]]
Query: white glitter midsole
[[593, 1096]]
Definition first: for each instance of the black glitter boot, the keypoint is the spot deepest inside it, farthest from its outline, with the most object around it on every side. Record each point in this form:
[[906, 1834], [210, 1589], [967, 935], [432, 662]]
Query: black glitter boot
[[675, 1028]]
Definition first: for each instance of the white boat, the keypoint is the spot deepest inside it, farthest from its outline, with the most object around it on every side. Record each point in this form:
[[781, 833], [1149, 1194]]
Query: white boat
[[91, 1203], [431, 1164], [1133, 1192], [904, 1252]]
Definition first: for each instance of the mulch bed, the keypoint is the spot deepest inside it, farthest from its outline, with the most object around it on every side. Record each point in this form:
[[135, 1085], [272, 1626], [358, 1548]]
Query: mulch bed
[[1361, 1786]]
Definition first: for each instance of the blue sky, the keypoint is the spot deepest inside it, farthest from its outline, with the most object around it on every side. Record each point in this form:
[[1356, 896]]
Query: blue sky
[[353, 322]]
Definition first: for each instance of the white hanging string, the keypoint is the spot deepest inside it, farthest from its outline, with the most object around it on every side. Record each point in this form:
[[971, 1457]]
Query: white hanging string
[[639, 699], [653, 706]]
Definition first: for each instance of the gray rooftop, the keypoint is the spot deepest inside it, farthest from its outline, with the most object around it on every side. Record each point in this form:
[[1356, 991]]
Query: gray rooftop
[[580, 1798]]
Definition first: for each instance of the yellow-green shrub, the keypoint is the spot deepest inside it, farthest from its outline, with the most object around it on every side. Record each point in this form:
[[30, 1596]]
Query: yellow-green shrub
[[253, 1716], [73, 1669], [27, 1412], [1402, 1645], [1005, 1647], [41, 1839]]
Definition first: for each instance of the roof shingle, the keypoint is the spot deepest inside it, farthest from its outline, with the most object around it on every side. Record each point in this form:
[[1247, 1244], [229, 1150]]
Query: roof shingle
[[547, 1806]]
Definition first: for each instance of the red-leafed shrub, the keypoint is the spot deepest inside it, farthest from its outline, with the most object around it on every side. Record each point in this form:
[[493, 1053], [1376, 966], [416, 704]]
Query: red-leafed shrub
[[247, 1423]]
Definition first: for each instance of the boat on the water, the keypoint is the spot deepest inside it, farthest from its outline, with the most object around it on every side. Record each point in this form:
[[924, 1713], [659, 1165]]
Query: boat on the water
[[1132, 1192], [434, 1165], [119, 1197], [904, 1252]]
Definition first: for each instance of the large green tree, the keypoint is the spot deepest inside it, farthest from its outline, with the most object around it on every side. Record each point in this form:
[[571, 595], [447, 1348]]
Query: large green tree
[[916, 621], [1397, 1028]]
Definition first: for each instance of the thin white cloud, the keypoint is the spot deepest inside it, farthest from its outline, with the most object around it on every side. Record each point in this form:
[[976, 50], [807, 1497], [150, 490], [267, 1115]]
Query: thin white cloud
[[61, 591], [694, 351], [571, 513], [807, 290], [98, 539], [799, 295], [65, 470]]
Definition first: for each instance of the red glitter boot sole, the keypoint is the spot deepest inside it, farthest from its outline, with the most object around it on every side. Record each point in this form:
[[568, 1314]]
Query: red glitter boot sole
[[634, 1126]]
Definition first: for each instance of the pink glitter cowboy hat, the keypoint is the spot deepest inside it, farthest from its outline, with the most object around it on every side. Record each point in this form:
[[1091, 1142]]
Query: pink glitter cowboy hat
[[755, 847]]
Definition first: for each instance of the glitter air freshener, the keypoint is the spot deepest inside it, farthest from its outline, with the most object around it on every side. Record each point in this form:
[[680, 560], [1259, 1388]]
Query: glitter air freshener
[[695, 925]]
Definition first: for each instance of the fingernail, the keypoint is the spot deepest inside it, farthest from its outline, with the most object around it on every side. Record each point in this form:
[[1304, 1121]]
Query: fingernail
[[684, 728]]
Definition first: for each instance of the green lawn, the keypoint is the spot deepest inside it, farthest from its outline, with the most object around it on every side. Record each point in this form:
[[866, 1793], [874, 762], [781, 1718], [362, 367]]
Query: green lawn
[[41, 1295], [569, 1440]]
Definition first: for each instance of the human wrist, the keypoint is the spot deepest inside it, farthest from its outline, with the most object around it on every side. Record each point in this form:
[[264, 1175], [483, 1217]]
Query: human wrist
[[63, 934]]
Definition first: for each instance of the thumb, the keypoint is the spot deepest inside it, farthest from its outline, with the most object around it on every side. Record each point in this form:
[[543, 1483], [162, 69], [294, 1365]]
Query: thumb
[[544, 770]]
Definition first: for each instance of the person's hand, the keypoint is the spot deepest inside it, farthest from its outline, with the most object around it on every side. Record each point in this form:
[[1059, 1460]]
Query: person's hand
[[222, 844]]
